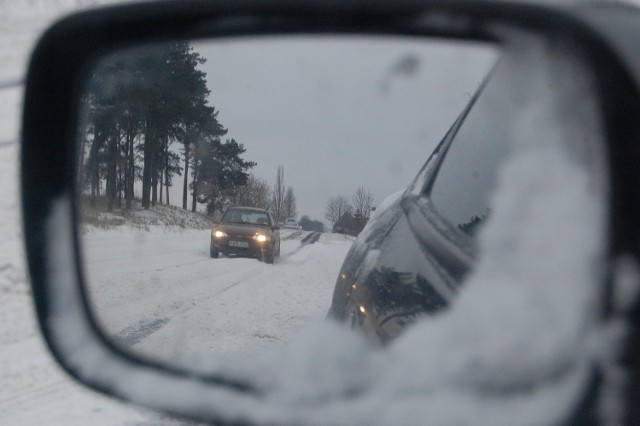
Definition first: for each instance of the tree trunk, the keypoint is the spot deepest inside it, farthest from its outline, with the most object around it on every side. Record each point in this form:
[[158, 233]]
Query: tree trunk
[[166, 188], [95, 182], [147, 169], [112, 170], [154, 175], [166, 167], [195, 194], [186, 176], [81, 150], [130, 170], [94, 169], [161, 175], [154, 189], [194, 199], [120, 184]]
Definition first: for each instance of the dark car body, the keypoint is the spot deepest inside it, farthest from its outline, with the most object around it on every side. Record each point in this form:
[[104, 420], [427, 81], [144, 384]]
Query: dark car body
[[246, 231], [380, 289], [414, 254]]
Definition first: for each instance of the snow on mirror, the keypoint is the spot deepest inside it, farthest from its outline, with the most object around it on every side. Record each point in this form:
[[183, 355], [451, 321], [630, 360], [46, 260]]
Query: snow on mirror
[[222, 183]]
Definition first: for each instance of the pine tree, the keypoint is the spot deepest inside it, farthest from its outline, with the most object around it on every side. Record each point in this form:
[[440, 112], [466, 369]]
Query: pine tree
[[140, 103]]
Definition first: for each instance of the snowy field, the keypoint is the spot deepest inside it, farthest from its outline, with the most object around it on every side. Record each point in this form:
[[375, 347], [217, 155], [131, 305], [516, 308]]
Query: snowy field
[[160, 293], [33, 389]]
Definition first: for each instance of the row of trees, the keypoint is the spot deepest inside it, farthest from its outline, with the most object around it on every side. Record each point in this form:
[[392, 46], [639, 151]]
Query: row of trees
[[148, 120], [350, 217], [283, 202], [279, 199]]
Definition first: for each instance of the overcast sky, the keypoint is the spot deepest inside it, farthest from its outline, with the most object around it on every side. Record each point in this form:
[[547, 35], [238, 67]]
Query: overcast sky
[[339, 113]]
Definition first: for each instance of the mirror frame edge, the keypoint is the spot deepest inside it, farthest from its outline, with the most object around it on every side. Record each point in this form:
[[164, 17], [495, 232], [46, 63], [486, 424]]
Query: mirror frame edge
[[48, 173]]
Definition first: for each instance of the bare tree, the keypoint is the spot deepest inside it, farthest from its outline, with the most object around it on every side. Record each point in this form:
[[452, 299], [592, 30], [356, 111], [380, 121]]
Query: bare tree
[[290, 209], [362, 201], [337, 209], [255, 194], [277, 202]]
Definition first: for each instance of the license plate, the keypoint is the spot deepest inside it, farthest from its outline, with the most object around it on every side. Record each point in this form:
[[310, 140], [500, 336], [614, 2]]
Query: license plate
[[244, 244]]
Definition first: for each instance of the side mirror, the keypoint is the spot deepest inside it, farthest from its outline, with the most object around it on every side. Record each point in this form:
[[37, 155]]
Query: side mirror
[[543, 339]]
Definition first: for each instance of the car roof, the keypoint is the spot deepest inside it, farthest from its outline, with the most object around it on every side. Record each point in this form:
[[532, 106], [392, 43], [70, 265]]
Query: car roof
[[255, 209]]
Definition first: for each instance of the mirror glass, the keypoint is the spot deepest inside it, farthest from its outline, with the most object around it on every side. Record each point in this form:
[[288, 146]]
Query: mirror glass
[[308, 135]]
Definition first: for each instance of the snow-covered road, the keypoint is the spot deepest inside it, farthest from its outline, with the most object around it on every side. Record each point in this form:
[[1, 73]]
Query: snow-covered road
[[159, 293], [179, 305]]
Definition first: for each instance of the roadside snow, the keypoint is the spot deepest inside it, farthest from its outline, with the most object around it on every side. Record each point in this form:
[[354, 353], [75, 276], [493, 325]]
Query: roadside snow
[[160, 293], [33, 389]]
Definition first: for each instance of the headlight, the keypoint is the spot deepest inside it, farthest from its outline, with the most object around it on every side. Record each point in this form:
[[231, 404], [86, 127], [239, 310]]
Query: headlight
[[262, 238], [218, 234]]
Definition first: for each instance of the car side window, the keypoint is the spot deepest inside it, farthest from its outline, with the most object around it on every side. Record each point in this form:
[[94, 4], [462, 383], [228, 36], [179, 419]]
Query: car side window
[[465, 180]]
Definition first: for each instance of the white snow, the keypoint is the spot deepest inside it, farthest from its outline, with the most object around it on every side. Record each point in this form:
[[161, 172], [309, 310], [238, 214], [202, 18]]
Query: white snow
[[537, 283], [146, 279], [33, 389]]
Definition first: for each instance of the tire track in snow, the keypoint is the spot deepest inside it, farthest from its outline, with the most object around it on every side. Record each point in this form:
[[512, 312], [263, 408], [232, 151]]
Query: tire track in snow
[[140, 331], [166, 268], [293, 235], [240, 281], [145, 327], [310, 238]]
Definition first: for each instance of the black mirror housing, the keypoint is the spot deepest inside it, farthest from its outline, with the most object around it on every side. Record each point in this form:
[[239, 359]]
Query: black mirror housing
[[606, 36]]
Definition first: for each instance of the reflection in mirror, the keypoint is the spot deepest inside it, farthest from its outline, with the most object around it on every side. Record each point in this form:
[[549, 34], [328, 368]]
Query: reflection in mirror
[[305, 136]]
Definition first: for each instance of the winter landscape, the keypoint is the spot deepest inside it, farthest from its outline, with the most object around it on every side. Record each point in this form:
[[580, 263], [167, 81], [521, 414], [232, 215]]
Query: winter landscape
[[158, 291], [150, 284]]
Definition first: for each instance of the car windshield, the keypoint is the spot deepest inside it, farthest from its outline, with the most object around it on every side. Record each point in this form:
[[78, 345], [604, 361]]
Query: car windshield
[[467, 177], [246, 216]]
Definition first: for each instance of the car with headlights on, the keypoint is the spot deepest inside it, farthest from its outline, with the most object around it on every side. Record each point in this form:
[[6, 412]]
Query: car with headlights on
[[292, 222], [246, 231]]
